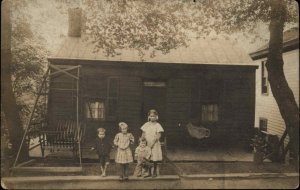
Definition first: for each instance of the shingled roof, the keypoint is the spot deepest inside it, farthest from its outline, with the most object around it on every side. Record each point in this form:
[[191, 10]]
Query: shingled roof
[[199, 51], [290, 42]]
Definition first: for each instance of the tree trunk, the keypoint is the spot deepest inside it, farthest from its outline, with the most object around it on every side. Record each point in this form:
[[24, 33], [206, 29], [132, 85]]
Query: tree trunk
[[281, 91], [8, 100]]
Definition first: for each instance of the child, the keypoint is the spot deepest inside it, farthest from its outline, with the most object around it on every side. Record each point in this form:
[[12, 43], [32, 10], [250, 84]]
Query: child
[[124, 154], [103, 147], [152, 132], [142, 155]]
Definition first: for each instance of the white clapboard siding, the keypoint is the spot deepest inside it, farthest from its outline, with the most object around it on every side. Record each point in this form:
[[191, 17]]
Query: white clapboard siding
[[266, 106]]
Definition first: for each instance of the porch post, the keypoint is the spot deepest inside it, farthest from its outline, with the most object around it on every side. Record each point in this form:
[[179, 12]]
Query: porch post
[[77, 116]]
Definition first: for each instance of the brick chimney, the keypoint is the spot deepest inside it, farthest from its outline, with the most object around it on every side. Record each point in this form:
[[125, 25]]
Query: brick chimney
[[75, 19]]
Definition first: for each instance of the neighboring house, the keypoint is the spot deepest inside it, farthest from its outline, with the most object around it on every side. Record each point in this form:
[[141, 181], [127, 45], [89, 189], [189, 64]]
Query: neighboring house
[[211, 82], [267, 115]]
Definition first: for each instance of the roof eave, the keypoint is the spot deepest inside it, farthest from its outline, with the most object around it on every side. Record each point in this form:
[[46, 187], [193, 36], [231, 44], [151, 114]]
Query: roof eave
[[92, 61], [287, 46]]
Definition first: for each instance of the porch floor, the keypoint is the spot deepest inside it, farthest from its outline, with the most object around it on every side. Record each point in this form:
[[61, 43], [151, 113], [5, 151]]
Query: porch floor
[[228, 154], [174, 153]]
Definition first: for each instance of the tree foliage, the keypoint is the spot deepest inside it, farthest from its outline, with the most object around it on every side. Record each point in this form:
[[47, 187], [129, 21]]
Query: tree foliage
[[163, 26], [141, 25], [29, 59]]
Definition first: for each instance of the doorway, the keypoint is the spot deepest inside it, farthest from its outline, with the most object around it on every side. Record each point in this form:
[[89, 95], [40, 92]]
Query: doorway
[[154, 97]]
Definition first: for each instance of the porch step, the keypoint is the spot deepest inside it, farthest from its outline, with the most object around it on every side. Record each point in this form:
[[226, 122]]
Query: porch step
[[85, 178], [47, 169], [37, 171], [89, 182]]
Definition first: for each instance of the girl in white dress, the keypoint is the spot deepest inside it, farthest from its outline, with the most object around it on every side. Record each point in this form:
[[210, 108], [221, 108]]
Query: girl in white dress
[[124, 155], [152, 132]]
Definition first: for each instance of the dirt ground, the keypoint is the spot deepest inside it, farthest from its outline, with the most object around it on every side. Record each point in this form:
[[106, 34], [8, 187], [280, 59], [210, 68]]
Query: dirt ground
[[232, 167], [184, 183], [169, 168]]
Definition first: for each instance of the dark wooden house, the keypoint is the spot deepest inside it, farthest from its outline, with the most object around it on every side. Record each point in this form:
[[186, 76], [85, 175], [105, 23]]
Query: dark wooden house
[[211, 83]]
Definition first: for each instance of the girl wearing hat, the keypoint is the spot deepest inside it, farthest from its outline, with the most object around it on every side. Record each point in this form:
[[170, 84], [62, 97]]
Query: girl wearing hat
[[124, 155], [152, 132]]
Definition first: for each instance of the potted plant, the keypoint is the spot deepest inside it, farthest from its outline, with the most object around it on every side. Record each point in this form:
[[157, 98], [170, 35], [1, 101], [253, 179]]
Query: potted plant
[[259, 149]]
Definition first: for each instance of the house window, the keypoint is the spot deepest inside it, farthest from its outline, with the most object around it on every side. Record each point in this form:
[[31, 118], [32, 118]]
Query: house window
[[210, 113], [95, 110], [264, 78], [112, 97], [263, 124]]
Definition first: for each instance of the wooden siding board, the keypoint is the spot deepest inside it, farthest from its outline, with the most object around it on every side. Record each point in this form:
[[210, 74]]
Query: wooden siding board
[[130, 100], [178, 104]]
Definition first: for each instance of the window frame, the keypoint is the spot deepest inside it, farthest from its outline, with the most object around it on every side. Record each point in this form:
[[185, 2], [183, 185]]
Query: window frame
[[214, 120], [265, 120], [94, 100]]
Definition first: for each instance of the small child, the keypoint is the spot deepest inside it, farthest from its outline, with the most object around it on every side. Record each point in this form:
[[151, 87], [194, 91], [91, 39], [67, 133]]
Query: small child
[[103, 147], [152, 132], [124, 155], [142, 155]]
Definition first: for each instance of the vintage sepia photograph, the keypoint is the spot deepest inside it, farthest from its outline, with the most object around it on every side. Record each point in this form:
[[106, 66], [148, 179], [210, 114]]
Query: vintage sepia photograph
[[149, 94]]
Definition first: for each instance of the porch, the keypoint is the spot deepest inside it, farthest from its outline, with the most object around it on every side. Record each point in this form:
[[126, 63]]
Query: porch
[[66, 136], [186, 153]]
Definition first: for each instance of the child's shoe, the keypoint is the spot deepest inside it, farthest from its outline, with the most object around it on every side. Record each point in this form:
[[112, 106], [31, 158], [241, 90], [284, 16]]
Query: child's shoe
[[154, 173], [148, 175]]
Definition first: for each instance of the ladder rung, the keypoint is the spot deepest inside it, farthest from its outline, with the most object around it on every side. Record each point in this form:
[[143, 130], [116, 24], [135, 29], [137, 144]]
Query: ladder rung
[[71, 89], [43, 93]]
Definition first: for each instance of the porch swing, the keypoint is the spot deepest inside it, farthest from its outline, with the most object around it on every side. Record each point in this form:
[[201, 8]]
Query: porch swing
[[65, 134], [197, 132], [209, 114]]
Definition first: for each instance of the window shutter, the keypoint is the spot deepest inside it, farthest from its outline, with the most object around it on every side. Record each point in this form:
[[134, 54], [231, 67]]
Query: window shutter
[[264, 78]]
